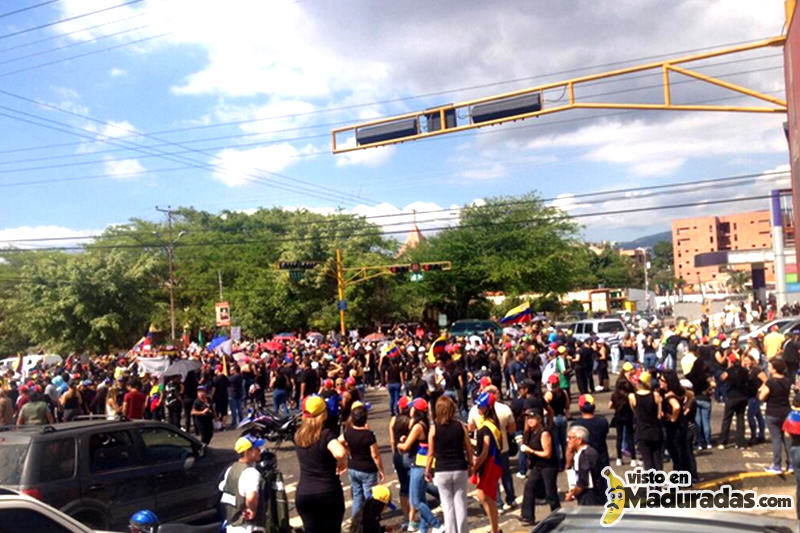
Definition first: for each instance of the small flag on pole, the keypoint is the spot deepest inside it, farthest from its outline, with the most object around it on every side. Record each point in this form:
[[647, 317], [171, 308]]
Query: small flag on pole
[[518, 315]]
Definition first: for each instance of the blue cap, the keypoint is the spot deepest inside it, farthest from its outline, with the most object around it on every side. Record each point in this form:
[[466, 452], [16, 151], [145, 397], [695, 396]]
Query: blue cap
[[485, 399]]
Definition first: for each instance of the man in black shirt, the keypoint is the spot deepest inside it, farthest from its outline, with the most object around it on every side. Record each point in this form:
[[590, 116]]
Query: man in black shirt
[[219, 394], [736, 380], [189, 396], [790, 354], [597, 425], [584, 359]]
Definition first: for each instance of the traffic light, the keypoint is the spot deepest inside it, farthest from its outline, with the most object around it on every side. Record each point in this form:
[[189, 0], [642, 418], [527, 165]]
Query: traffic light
[[387, 131], [398, 269], [296, 265], [507, 107], [427, 267]]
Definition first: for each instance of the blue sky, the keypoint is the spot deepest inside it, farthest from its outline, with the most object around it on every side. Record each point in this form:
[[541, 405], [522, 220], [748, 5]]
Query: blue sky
[[263, 81]]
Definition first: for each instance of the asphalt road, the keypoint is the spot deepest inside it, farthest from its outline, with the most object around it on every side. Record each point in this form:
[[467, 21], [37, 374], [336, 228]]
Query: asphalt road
[[712, 465]]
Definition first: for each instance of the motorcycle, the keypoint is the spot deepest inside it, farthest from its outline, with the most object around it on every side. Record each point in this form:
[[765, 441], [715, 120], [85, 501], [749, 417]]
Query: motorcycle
[[270, 426]]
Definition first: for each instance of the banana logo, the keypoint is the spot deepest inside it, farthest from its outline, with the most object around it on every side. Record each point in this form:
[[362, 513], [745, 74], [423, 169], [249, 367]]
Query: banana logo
[[616, 498]]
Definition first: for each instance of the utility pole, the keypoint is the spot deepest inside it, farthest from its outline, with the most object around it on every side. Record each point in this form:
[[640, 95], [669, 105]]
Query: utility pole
[[170, 259], [219, 277], [340, 284]]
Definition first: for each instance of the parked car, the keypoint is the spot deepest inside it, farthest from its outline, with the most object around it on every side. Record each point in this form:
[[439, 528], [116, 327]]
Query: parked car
[[609, 329], [467, 327], [101, 472], [19, 512]]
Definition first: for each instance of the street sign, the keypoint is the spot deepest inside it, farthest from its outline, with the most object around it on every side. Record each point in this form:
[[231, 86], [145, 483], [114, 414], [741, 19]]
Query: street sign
[[417, 276], [341, 305], [297, 275], [442, 320]]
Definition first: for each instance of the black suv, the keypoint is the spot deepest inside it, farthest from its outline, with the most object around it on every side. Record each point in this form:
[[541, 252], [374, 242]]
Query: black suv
[[101, 471]]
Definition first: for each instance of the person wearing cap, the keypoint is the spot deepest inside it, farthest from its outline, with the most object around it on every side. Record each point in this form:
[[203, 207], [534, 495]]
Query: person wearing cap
[[365, 467], [368, 519], [71, 402], [398, 432], [558, 402], [597, 426], [416, 446], [240, 487], [487, 465], [203, 415], [319, 498], [450, 446], [649, 432], [539, 447]]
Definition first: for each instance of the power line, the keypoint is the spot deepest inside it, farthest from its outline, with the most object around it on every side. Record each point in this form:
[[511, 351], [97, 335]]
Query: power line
[[60, 35], [376, 232], [253, 144], [22, 10], [68, 19], [717, 183]]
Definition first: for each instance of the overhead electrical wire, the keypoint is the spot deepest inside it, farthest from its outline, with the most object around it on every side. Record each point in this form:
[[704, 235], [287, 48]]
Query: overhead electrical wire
[[68, 19], [376, 232], [24, 9], [716, 183]]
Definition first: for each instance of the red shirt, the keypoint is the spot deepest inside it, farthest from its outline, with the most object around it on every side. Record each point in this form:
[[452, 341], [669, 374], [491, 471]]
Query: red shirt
[[134, 401]]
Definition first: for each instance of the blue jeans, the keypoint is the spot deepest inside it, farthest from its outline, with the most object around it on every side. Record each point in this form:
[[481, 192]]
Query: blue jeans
[[235, 405], [650, 360], [279, 399], [507, 481], [361, 484], [394, 397], [417, 489], [703, 420], [779, 441], [755, 419], [560, 437]]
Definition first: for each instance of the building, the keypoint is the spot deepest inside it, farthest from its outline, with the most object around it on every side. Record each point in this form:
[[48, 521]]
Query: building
[[413, 239], [740, 231]]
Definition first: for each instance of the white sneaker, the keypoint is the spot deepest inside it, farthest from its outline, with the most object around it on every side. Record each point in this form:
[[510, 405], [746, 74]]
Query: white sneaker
[[619, 462], [520, 475], [439, 529], [633, 462]]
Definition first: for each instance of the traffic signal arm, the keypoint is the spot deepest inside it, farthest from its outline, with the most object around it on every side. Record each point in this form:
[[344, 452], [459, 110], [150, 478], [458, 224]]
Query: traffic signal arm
[[526, 103]]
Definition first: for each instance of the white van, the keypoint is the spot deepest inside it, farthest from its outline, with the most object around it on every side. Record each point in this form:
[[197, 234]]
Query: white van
[[612, 330]]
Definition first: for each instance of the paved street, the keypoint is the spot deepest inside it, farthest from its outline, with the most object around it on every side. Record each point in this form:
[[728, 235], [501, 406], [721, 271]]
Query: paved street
[[712, 464]]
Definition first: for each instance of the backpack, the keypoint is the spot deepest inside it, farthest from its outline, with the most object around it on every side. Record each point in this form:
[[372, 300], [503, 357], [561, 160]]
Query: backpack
[[332, 402], [276, 508]]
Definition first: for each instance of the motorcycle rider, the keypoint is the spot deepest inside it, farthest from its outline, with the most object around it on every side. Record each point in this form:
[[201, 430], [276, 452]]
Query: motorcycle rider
[[240, 488]]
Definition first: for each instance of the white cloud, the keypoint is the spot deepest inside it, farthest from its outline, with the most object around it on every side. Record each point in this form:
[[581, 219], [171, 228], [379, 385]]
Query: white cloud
[[117, 72], [117, 129], [235, 167], [371, 157], [123, 168], [15, 237]]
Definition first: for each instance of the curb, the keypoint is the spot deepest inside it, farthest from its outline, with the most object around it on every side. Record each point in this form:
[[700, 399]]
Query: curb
[[733, 478]]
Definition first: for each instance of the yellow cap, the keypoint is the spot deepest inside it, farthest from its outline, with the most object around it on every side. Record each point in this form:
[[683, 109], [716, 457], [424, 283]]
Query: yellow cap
[[245, 443], [561, 349], [313, 406], [644, 378], [383, 494], [627, 366], [356, 404]]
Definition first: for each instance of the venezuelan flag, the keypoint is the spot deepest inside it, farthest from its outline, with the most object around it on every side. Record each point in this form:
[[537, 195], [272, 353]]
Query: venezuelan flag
[[391, 350], [518, 315], [792, 423], [437, 348]]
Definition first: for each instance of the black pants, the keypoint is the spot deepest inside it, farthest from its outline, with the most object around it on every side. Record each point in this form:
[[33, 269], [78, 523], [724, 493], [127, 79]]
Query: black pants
[[602, 372], [321, 513], [548, 476], [205, 426], [174, 416], [733, 406], [583, 377], [187, 412], [627, 427], [677, 441], [652, 452]]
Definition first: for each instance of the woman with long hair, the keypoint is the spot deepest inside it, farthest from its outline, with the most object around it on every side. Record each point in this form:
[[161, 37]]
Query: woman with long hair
[[646, 405], [416, 446], [675, 423], [319, 499], [398, 432], [449, 444], [539, 446], [487, 464], [623, 419], [558, 400], [71, 401]]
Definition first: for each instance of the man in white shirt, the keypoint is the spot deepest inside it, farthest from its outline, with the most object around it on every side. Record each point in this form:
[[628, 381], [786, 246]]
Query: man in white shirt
[[240, 496]]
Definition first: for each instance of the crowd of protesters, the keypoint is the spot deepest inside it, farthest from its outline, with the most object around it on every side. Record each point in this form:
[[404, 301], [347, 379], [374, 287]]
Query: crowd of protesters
[[464, 410]]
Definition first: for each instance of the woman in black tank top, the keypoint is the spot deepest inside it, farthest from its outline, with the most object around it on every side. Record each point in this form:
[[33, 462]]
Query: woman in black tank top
[[646, 406], [398, 431], [452, 449], [540, 448]]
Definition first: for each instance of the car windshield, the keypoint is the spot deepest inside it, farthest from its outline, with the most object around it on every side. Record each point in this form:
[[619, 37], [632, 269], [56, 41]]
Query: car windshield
[[12, 458], [609, 327]]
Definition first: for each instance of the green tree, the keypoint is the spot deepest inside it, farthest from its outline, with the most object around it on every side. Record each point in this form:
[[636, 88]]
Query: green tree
[[737, 280]]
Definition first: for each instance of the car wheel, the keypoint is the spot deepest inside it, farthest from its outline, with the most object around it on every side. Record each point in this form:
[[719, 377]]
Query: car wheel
[[92, 519]]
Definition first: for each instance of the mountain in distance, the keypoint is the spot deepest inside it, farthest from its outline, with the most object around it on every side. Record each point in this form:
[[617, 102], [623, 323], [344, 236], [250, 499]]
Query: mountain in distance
[[647, 241]]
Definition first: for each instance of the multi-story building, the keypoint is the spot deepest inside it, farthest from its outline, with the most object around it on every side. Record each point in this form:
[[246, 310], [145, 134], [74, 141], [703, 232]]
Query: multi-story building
[[740, 231]]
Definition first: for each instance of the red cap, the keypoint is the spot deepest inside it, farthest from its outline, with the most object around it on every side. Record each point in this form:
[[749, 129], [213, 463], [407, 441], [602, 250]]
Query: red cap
[[732, 358], [328, 383], [420, 404], [403, 402], [218, 368], [552, 379], [485, 381], [350, 381]]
